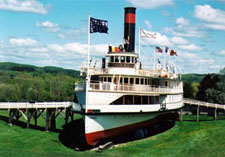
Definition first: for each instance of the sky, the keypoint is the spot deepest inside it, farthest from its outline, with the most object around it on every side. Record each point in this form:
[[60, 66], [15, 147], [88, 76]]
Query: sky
[[55, 32]]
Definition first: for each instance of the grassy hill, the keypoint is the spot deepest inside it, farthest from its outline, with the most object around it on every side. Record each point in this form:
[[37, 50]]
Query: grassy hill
[[186, 138], [19, 82]]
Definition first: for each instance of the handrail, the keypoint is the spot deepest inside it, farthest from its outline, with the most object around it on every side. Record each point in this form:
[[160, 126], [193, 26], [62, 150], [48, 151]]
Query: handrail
[[128, 88], [203, 103]]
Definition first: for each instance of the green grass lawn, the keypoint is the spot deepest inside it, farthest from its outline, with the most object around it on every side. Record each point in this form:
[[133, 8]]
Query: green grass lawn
[[187, 138]]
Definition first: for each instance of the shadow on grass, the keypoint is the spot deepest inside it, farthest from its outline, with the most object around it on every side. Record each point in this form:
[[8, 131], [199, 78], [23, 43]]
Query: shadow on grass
[[24, 124], [73, 134]]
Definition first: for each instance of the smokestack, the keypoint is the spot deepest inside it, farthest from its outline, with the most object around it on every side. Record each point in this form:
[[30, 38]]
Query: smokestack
[[129, 29]]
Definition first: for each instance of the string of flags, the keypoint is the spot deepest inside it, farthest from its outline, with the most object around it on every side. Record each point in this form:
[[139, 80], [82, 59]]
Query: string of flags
[[160, 50]]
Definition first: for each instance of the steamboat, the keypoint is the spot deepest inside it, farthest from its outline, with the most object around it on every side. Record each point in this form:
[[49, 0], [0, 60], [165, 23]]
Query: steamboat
[[121, 96]]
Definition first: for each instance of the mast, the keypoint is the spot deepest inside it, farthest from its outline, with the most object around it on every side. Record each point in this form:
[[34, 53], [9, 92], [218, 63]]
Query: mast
[[139, 44]]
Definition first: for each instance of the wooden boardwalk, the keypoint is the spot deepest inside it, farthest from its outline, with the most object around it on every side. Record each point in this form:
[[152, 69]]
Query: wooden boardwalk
[[47, 110], [202, 104]]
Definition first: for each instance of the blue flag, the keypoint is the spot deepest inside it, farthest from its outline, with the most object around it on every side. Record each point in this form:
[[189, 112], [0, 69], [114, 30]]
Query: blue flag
[[100, 26]]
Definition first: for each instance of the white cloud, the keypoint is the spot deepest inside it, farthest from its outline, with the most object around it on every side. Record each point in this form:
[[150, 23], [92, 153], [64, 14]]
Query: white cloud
[[48, 26], [216, 26], [182, 21], [221, 52], [39, 50], [150, 4], [74, 34], [190, 47], [23, 42], [184, 28], [148, 24], [179, 41], [32, 6], [160, 40], [213, 18]]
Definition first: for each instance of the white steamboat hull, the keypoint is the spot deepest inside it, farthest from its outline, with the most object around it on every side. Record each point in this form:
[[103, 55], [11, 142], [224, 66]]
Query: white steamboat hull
[[104, 126]]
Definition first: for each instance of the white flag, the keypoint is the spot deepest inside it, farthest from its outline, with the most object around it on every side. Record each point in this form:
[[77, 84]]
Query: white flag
[[147, 34]]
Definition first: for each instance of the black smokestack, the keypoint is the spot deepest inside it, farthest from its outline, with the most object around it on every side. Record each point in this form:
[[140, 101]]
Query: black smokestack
[[129, 29]]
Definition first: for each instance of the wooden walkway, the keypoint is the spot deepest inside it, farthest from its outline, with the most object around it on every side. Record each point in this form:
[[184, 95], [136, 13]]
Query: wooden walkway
[[205, 104], [202, 104], [47, 110]]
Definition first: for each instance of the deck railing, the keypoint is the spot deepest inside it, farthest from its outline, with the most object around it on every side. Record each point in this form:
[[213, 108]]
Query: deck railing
[[127, 88]]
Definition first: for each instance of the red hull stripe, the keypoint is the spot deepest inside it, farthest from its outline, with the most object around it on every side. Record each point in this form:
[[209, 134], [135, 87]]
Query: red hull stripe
[[130, 18], [96, 137]]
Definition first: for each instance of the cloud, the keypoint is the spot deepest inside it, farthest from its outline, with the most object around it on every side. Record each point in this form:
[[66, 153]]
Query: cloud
[[160, 40], [48, 26], [212, 18], [74, 34], [148, 24], [32, 6], [56, 48], [183, 28], [179, 41], [190, 47], [23, 42], [221, 52], [150, 4], [182, 21]]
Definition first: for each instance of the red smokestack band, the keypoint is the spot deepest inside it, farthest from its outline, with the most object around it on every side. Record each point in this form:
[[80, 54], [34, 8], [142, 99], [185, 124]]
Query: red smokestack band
[[130, 18]]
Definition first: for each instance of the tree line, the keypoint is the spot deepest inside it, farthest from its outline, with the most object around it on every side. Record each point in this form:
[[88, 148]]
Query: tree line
[[211, 88], [20, 82]]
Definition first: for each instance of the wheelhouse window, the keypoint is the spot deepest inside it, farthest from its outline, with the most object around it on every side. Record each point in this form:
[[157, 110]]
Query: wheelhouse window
[[142, 81], [109, 79], [122, 59], [112, 59], [117, 59], [128, 59]]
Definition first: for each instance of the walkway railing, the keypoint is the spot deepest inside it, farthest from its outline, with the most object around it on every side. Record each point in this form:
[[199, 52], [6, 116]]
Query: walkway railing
[[202, 103], [127, 88], [36, 105]]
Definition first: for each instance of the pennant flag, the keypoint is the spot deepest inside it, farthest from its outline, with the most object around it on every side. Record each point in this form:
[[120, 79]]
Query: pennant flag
[[100, 26], [172, 53], [114, 49], [166, 49], [158, 49], [147, 34]]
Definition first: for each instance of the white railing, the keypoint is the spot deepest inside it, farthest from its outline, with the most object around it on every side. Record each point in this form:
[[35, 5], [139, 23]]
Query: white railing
[[203, 103], [142, 72], [129, 88], [28, 105]]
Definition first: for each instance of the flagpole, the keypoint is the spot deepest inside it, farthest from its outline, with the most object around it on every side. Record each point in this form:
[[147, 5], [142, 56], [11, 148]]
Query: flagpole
[[165, 58], [89, 42], [88, 49], [154, 57], [139, 46]]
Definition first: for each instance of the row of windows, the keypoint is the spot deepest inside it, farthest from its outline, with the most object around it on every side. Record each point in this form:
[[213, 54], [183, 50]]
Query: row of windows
[[122, 59], [131, 80], [129, 99]]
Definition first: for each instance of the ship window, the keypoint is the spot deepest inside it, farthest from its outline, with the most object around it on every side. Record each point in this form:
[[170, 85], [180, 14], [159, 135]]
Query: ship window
[[137, 80], [142, 81], [128, 59], [131, 80], [122, 59], [101, 79], [166, 83], [109, 79], [146, 81], [105, 79], [126, 80], [112, 59], [121, 80], [132, 59], [116, 59]]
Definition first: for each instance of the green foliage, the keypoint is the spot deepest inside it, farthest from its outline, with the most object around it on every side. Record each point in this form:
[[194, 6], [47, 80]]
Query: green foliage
[[29, 83], [212, 89], [190, 89]]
